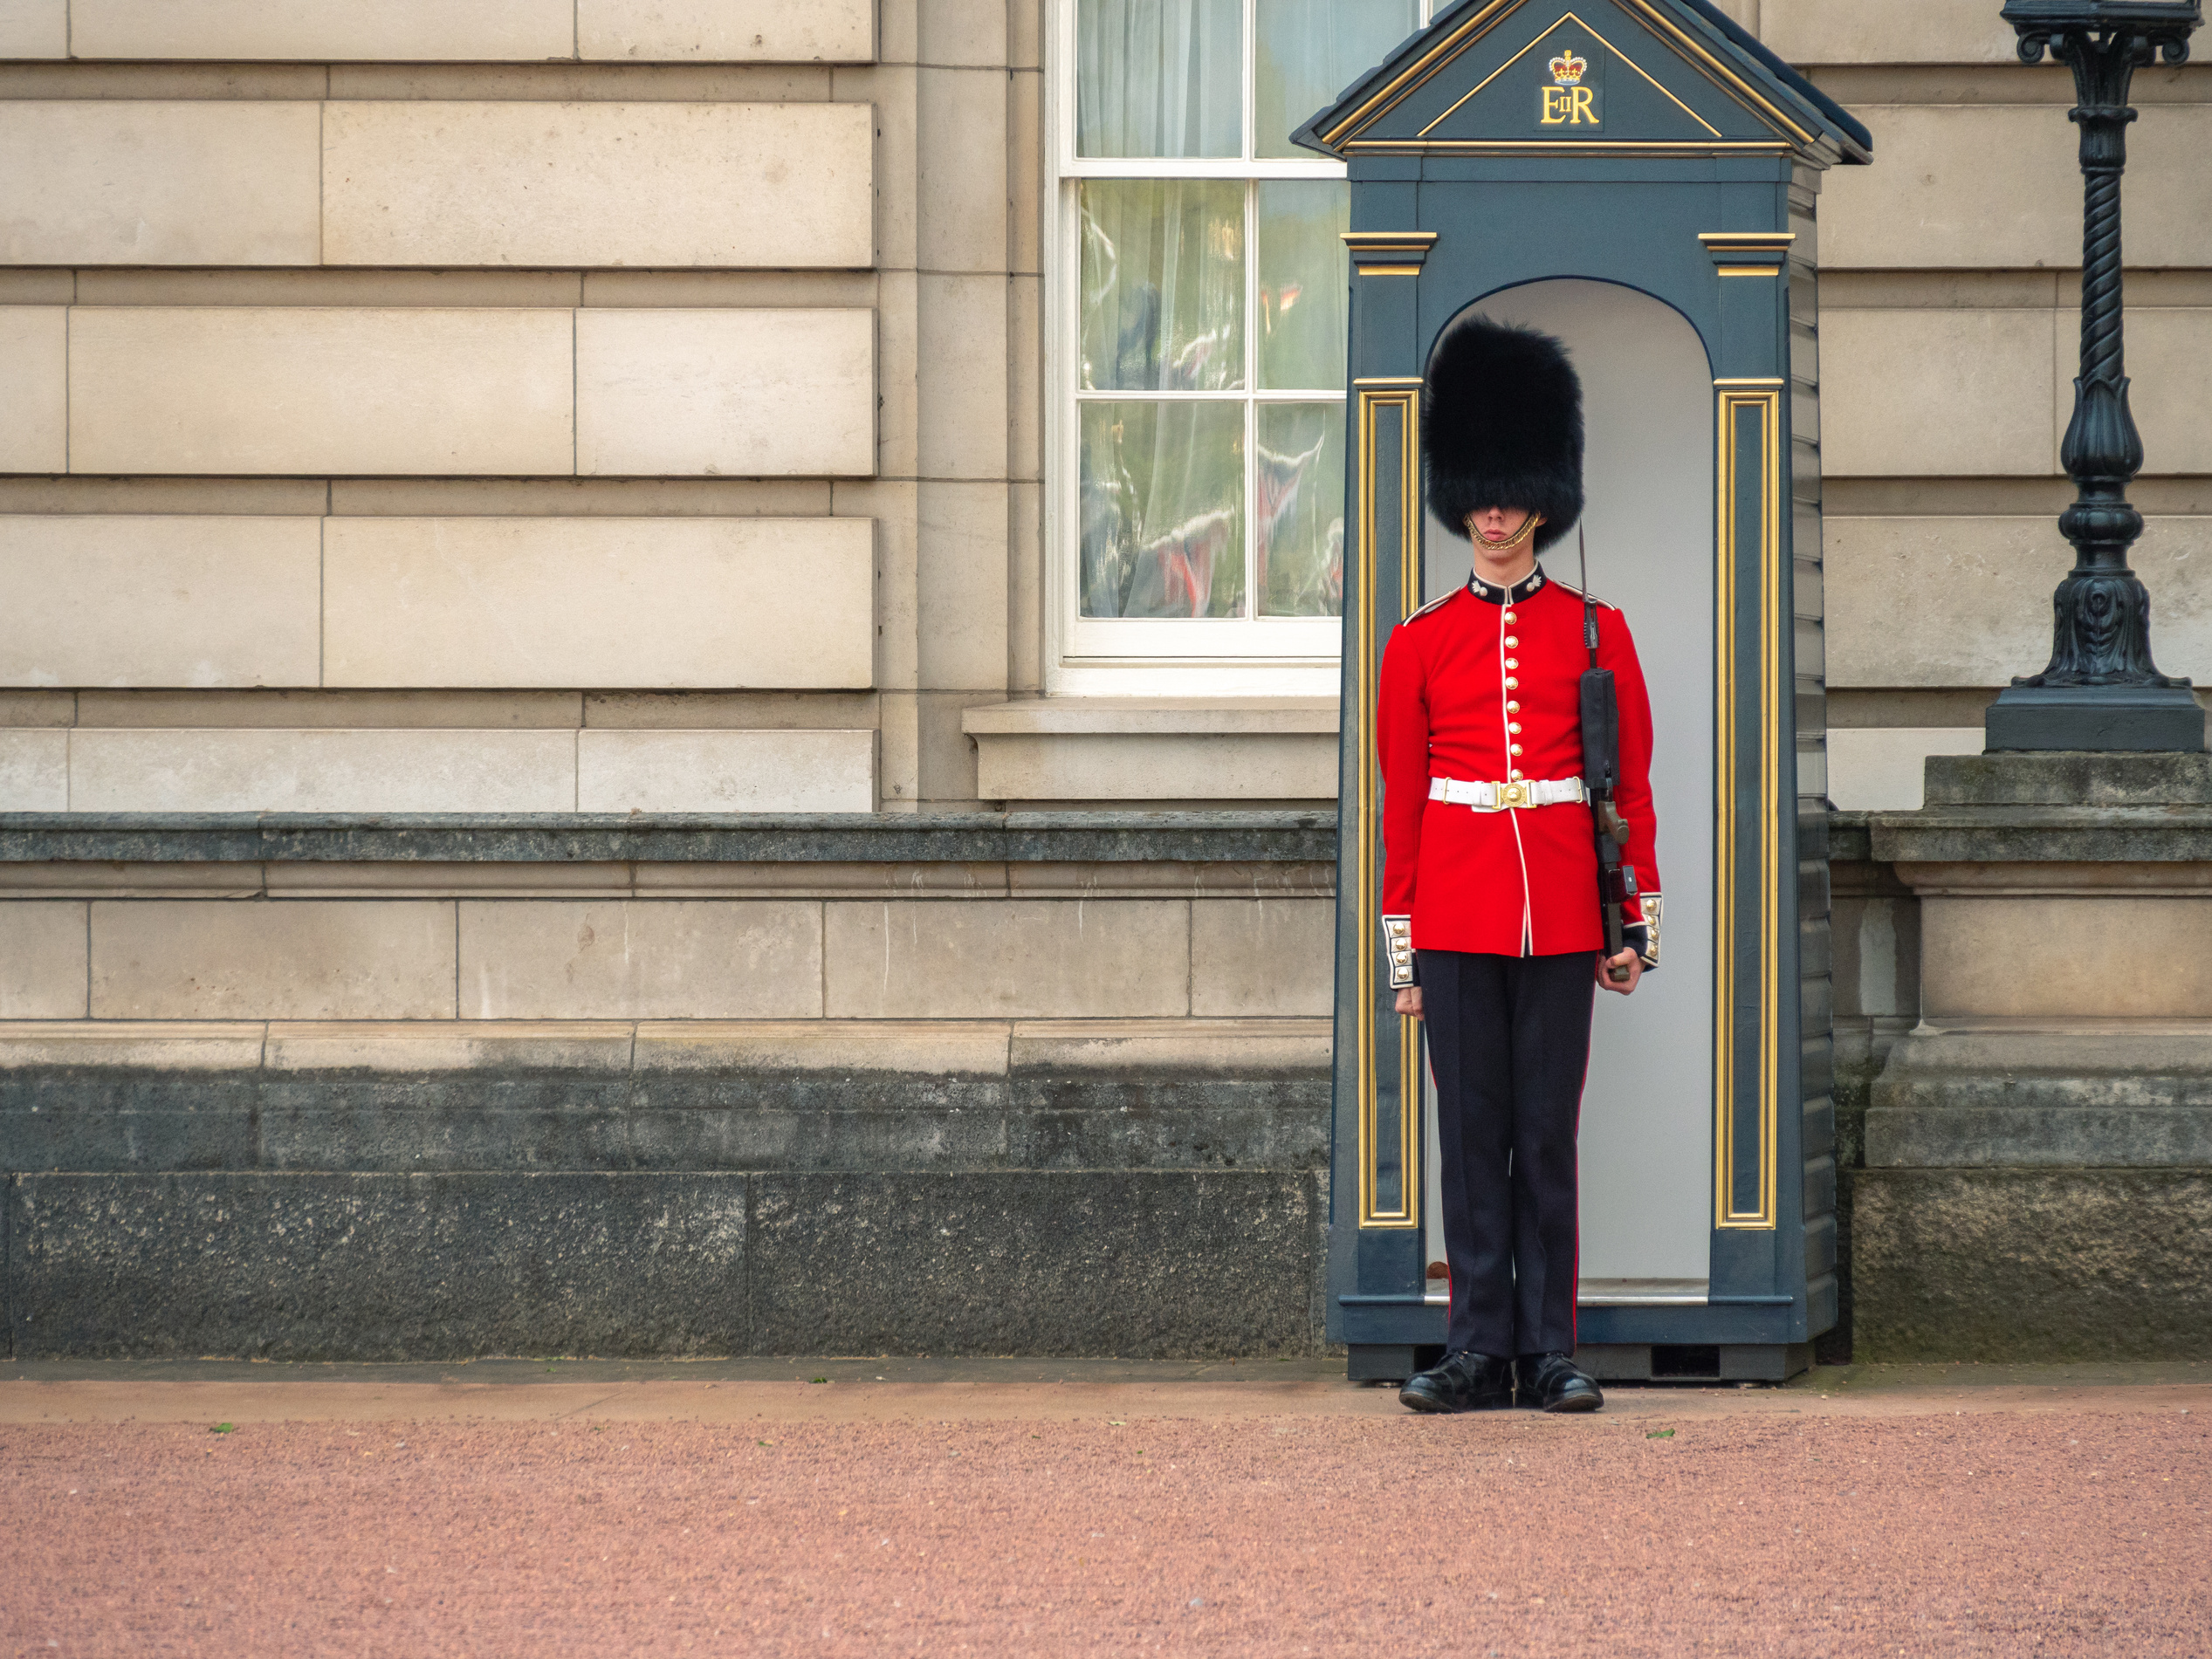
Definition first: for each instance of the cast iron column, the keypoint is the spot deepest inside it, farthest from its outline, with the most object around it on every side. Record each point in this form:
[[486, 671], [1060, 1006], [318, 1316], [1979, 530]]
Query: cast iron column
[[2101, 691]]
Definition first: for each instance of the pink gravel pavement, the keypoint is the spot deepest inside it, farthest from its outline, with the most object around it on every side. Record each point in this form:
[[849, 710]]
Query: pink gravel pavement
[[1296, 1514]]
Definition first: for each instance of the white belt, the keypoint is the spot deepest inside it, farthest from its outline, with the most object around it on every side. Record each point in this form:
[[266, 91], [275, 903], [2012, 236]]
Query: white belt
[[1496, 797]]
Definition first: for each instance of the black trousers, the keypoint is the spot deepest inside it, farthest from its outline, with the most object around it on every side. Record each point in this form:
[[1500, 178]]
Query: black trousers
[[1510, 1040]]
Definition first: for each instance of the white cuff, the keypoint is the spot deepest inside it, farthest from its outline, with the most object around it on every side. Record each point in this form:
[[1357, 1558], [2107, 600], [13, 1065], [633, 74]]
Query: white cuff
[[1650, 951], [1398, 945]]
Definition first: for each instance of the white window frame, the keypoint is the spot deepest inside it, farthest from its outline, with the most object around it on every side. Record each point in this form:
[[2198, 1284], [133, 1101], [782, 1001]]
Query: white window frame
[[1152, 656]]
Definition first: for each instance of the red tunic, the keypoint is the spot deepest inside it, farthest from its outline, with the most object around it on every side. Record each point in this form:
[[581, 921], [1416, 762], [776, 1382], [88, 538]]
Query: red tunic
[[1465, 679]]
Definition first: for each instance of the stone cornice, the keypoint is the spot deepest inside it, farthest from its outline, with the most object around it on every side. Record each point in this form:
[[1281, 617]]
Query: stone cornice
[[558, 838], [2020, 834]]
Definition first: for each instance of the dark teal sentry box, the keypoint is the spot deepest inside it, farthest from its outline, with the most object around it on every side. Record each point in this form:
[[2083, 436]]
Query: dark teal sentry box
[[1638, 177]]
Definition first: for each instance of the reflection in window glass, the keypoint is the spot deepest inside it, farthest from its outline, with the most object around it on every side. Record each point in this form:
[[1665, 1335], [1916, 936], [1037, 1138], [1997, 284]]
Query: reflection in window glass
[[1309, 51], [1298, 506], [1162, 508], [1158, 77], [1303, 283], [1163, 285]]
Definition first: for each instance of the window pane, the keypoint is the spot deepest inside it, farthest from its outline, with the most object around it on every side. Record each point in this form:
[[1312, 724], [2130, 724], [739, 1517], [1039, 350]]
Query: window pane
[[1300, 509], [1304, 283], [1158, 77], [1162, 508], [1163, 285], [1309, 51]]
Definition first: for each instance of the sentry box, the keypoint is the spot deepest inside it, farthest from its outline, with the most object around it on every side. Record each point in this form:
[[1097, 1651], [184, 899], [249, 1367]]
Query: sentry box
[[1638, 177]]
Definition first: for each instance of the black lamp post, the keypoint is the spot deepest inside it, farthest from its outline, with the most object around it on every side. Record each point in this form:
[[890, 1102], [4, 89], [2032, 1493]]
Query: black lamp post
[[2101, 691]]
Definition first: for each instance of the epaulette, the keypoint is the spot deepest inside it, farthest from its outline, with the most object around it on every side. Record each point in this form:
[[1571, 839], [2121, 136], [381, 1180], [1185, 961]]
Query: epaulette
[[1438, 603], [1571, 588]]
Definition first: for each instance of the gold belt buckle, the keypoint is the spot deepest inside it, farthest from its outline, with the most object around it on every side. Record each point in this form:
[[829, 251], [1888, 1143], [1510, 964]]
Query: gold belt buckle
[[1514, 794]]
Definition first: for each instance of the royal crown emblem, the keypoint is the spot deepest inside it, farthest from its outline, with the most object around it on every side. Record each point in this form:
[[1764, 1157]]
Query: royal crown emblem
[[1567, 69]]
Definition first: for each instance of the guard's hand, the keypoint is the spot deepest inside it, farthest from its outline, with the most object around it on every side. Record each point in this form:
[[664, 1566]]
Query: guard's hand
[[1409, 1001], [1627, 959]]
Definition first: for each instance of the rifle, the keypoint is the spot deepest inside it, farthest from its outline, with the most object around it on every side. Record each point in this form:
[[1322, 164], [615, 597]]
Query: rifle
[[1601, 773]]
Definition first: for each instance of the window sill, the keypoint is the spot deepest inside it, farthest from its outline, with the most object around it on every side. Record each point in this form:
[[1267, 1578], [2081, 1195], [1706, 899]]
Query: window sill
[[1153, 716], [1147, 748]]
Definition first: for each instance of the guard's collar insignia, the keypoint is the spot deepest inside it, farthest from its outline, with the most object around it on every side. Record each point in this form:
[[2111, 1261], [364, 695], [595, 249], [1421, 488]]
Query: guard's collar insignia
[[1490, 593]]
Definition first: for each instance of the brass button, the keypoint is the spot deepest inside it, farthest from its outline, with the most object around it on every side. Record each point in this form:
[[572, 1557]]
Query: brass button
[[1513, 708], [1508, 616], [1516, 750], [1517, 774], [1515, 728], [1513, 662], [1512, 684], [1510, 640]]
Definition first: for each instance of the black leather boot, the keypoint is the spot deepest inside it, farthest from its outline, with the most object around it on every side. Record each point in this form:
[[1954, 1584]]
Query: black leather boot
[[1464, 1381], [1555, 1382]]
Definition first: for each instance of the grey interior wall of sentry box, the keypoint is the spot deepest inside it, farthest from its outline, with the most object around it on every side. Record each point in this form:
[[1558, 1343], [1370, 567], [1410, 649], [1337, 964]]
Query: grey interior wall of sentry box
[[1647, 1110]]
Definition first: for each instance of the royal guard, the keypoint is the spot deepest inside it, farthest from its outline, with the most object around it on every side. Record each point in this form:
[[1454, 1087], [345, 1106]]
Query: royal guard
[[1515, 742]]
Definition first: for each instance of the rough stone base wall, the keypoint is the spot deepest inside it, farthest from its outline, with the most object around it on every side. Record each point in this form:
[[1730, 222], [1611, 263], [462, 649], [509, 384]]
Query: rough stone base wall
[[2033, 1264], [1150, 1189], [301, 1265]]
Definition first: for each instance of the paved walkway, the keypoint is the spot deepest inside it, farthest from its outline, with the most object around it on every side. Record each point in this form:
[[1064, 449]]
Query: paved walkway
[[1020, 1507]]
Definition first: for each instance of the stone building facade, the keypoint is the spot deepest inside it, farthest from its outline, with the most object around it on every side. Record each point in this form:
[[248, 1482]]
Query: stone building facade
[[445, 450]]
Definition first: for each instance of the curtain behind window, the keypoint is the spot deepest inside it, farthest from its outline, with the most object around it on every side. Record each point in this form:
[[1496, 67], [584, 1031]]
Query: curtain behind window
[[1195, 499], [1309, 51], [1158, 77]]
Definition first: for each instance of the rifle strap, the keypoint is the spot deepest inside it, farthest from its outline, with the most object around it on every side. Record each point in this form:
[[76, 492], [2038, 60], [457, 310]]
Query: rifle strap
[[1589, 605]]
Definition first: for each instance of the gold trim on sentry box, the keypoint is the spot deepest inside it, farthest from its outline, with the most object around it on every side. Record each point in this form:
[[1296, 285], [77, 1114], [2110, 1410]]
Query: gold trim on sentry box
[[1430, 63], [1566, 17], [1402, 392], [1715, 71], [1751, 271], [1388, 271], [1422, 69], [1388, 240], [1558, 147], [1761, 402]]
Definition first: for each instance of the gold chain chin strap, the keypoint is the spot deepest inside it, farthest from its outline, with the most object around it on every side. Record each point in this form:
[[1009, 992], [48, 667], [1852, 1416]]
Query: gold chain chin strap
[[1527, 529]]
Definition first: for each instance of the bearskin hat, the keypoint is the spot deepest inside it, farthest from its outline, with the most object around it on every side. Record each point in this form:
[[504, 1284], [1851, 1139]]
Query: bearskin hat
[[1501, 424]]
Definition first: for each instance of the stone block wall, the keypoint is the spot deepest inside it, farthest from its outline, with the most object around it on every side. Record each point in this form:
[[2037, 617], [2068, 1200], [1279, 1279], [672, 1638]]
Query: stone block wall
[[388, 1088], [514, 406], [398, 270]]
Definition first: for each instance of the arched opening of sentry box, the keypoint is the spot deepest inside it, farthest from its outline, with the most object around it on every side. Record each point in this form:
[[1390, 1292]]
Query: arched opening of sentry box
[[1647, 1110]]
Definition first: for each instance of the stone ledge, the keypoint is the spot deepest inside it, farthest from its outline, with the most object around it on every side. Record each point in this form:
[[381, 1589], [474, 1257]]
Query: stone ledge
[[2119, 1096], [2043, 834], [2055, 808], [2059, 778], [873, 1097], [2047, 878], [591, 878], [990, 1047], [570, 838], [1848, 839], [1151, 717]]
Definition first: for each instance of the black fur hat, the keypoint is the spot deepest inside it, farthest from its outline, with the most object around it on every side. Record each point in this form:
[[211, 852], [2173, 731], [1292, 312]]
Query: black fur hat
[[1502, 423]]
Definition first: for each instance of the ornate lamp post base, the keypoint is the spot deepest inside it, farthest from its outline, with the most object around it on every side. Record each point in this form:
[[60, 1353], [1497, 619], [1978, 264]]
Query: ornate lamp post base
[[2101, 691]]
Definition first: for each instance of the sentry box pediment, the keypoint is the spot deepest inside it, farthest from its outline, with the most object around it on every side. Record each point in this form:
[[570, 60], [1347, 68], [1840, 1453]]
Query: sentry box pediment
[[1638, 177], [1600, 76]]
